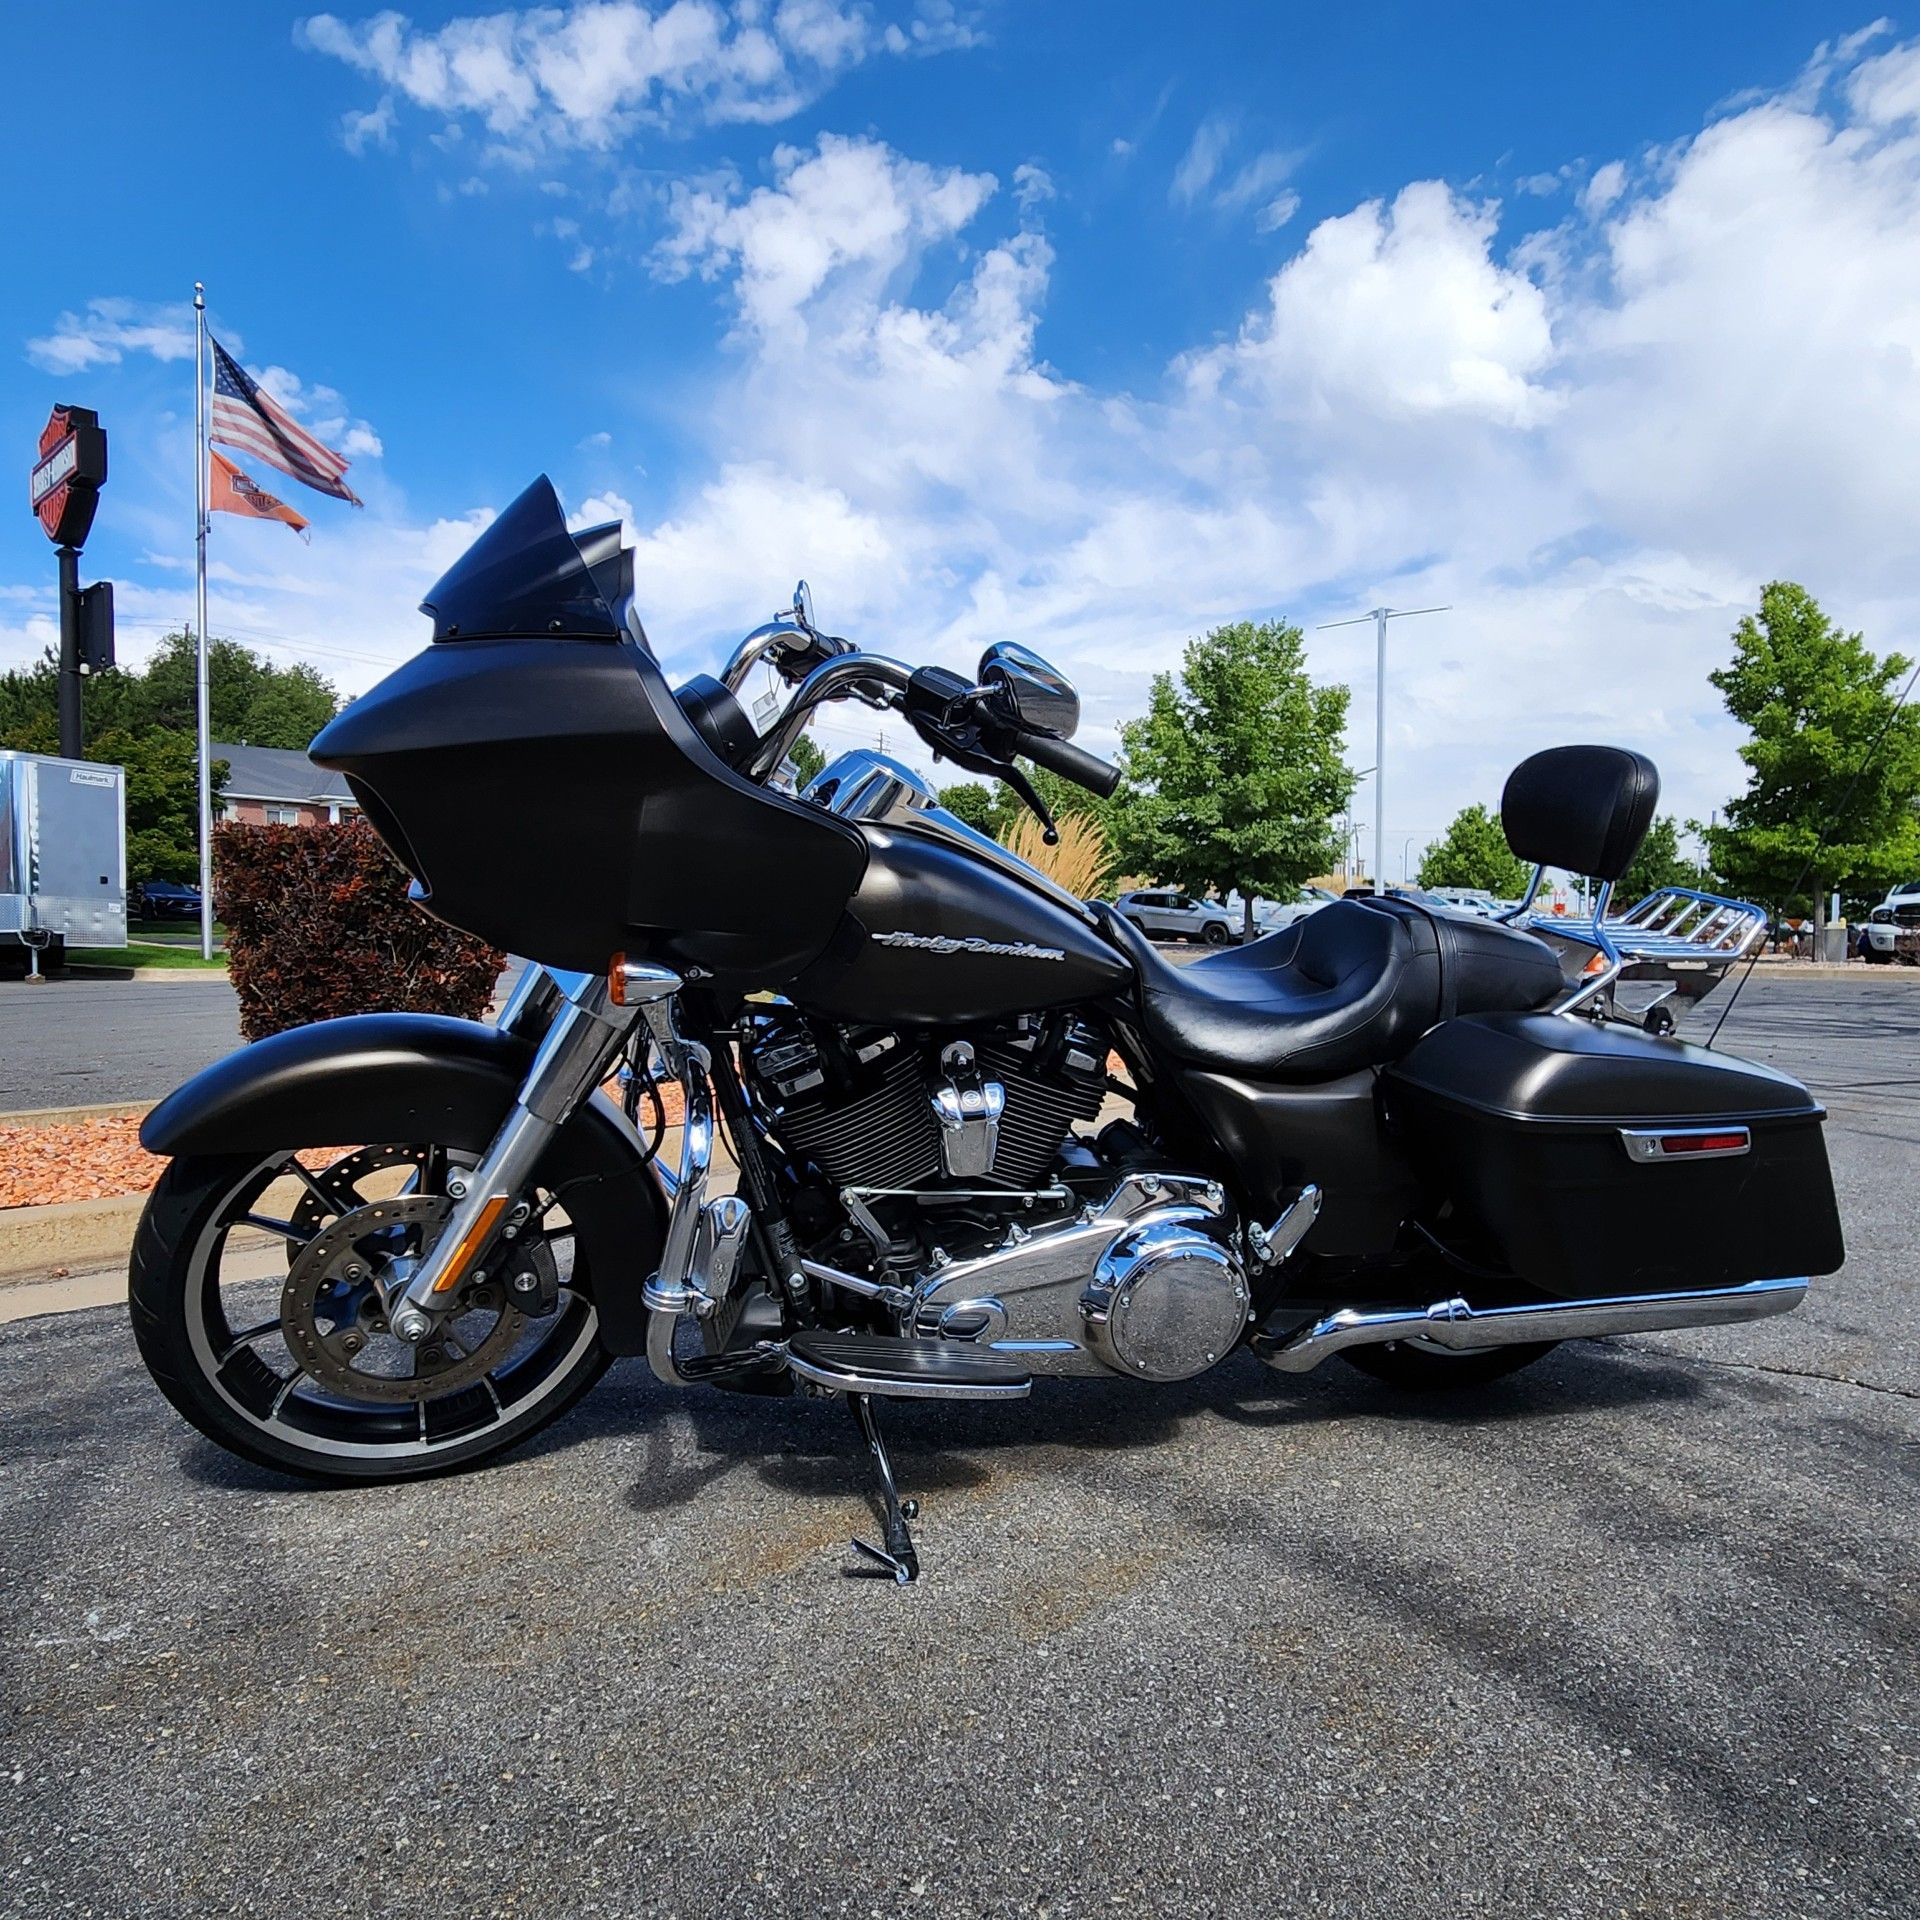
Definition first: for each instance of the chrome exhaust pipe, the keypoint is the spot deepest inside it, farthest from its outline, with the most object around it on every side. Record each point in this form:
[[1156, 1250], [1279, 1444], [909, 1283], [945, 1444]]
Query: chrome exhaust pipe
[[1462, 1328]]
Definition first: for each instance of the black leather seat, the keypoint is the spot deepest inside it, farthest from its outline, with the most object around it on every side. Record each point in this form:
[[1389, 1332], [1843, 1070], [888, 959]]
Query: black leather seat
[[1351, 986]]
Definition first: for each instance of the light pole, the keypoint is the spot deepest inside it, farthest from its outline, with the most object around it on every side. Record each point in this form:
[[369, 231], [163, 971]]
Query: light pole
[[1380, 616]]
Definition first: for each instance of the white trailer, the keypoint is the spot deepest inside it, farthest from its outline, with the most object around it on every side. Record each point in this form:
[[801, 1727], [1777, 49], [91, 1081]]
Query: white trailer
[[63, 857]]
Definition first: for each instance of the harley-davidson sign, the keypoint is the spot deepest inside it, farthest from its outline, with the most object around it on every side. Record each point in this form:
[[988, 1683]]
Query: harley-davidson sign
[[69, 473]]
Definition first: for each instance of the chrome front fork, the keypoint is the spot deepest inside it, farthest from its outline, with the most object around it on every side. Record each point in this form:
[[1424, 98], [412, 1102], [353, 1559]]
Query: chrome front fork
[[583, 1038]]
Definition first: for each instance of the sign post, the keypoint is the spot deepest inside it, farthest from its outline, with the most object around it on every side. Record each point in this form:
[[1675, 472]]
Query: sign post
[[65, 490]]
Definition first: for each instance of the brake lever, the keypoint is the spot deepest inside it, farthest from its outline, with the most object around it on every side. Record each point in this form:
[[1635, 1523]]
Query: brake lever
[[1016, 778]]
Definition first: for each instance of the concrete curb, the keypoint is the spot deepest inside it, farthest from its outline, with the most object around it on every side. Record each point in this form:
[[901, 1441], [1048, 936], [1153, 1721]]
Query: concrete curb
[[76, 1234], [66, 1116], [147, 973]]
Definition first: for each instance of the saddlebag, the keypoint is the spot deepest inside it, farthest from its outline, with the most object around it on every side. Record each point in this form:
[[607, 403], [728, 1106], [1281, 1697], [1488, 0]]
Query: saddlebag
[[1596, 1159]]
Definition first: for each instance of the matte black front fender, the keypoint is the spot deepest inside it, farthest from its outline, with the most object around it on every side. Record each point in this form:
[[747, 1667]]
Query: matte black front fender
[[409, 1077]]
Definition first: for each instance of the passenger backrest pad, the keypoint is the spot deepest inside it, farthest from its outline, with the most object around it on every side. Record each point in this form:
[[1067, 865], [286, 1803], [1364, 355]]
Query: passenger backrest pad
[[1582, 808]]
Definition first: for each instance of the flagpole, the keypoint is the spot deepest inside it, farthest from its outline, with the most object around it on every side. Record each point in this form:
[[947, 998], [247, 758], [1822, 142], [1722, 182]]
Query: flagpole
[[203, 723]]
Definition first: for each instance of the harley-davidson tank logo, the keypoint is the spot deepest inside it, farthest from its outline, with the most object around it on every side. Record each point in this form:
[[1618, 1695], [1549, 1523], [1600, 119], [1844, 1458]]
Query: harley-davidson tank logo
[[946, 943]]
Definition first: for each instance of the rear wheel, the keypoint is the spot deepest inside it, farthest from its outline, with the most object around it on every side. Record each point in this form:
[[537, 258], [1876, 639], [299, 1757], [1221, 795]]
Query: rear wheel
[[259, 1288]]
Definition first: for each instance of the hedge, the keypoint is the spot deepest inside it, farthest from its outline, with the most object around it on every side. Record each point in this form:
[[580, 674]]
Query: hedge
[[319, 924]]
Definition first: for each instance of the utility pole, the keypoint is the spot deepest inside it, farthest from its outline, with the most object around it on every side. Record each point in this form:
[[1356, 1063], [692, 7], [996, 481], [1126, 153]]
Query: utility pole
[[1380, 616]]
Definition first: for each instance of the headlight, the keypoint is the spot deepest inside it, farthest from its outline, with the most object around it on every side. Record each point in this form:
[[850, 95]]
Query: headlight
[[1882, 915]]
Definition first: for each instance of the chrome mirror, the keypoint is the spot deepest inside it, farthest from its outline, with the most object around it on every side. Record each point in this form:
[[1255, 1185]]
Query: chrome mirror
[[803, 606], [1040, 694]]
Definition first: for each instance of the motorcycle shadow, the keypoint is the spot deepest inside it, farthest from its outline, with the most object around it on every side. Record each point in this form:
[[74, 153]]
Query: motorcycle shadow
[[803, 1446]]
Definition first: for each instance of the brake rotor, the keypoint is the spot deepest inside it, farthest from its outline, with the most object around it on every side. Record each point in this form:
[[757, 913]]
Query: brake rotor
[[333, 1309], [334, 1191]]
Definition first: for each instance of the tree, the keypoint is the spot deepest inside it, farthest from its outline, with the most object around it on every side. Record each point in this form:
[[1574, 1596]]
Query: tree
[[1817, 812], [251, 701], [1658, 864], [987, 810], [807, 760], [1473, 852], [1235, 774]]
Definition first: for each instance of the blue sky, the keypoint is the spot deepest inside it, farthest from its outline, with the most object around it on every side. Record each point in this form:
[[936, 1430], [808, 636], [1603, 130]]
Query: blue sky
[[1086, 325]]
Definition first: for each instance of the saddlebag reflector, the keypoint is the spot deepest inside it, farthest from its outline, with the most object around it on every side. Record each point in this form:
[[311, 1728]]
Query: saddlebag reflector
[[1651, 1145], [1593, 1159]]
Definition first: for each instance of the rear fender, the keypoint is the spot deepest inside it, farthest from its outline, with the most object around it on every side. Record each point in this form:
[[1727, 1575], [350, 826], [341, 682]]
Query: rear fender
[[421, 1077]]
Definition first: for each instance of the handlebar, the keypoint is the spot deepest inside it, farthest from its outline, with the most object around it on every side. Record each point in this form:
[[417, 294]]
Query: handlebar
[[988, 743], [1069, 762]]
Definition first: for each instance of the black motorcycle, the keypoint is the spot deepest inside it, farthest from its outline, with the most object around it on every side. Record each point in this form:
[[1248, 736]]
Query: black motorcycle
[[1411, 1137]]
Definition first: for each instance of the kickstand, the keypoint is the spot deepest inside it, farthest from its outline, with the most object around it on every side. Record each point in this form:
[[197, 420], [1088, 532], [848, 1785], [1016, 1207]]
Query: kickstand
[[899, 1562]]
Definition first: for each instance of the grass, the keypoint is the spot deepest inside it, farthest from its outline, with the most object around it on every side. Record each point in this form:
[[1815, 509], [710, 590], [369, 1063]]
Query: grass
[[142, 955]]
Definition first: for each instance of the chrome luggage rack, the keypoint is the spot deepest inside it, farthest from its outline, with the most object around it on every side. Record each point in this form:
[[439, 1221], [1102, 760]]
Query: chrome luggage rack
[[1679, 939]]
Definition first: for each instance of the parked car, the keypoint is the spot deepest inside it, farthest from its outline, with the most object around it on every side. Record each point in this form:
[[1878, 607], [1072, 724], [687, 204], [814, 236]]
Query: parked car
[[1275, 916], [167, 900], [1892, 931], [1164, 914], [1471, 899]]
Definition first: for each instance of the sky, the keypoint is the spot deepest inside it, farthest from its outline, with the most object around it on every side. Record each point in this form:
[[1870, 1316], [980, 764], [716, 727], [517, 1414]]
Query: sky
[[1088, 326]]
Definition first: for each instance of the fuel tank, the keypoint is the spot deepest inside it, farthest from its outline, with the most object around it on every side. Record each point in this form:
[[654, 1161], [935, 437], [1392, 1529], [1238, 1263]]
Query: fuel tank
[[933, 937]]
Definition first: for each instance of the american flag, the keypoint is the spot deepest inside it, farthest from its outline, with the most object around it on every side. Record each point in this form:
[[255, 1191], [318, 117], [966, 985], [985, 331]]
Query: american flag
[[246, 416]]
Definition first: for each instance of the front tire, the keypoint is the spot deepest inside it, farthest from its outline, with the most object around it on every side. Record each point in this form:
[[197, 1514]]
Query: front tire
[[1214, 933], [242, 1387]]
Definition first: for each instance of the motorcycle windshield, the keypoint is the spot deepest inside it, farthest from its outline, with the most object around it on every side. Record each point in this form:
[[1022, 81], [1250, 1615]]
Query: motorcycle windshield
[[526, 575]]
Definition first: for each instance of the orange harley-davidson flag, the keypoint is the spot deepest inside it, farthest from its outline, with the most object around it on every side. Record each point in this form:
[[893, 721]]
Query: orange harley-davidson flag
[[233, 492]]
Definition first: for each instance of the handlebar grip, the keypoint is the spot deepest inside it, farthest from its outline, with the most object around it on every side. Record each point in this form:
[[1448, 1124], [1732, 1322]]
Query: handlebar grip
[[1069, 762]]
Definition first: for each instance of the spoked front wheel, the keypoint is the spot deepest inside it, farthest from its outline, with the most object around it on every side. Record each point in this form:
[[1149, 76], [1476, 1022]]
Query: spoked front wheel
[[259, 1290]]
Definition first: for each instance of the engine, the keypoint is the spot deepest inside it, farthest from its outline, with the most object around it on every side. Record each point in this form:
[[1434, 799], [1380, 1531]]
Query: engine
[[949, 1165], [876, 1108]]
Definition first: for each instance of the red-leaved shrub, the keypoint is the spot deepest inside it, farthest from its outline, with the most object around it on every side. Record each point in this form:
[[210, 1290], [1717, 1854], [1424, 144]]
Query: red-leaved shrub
[[319, 924]]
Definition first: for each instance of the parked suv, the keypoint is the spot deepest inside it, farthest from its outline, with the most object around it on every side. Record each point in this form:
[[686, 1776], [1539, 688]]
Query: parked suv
[[1165, 915], [1893, 927]]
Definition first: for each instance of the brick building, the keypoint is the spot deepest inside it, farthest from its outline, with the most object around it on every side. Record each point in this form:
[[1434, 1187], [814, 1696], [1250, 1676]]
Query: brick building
[[276, 786]]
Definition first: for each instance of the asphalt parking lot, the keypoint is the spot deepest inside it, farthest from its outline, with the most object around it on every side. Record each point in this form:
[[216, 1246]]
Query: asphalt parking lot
[[1634, 1634]]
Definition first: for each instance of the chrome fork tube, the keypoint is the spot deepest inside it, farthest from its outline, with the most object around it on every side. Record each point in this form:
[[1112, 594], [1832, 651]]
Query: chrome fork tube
[[579, 1046]]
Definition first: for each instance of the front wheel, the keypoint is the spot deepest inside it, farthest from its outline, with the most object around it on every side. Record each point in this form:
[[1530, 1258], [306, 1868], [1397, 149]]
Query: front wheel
[[1214, 933], [1416, 1367], [258, 1291]]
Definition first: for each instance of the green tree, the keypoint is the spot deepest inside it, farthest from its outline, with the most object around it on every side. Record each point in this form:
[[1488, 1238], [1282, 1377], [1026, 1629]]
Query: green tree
[[986, 809], [807, 760], [1816, 812], [1235, 774], [251, 701], [1659, 863], [1473, 852]]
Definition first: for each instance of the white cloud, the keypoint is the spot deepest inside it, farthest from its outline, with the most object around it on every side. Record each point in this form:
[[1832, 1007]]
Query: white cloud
[[1596, 447], [1032, 186], [1606, 186], [1201, 161], [593, 73], [1398, 312], [109, 330], [1277, 212], [851, 213]]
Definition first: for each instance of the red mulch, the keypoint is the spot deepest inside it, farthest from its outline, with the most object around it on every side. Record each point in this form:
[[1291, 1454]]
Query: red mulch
[[77, 1160]]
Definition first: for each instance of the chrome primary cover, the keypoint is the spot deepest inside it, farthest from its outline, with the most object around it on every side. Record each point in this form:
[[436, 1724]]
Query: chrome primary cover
[[1147, 1284], [1166, 1301]]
